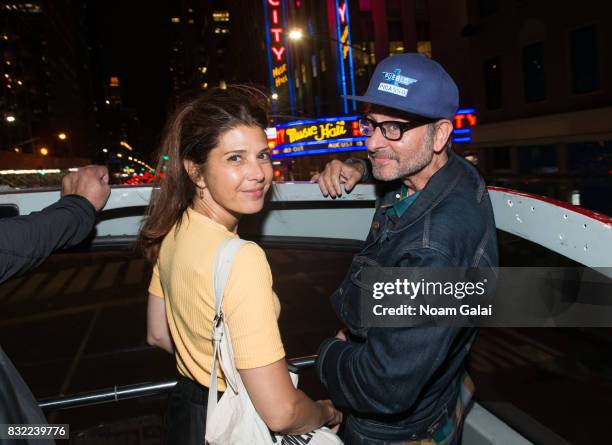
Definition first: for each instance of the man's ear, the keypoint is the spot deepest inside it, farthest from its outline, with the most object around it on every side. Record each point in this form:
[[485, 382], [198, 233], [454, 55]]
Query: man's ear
[[444, 129], [194, 173]]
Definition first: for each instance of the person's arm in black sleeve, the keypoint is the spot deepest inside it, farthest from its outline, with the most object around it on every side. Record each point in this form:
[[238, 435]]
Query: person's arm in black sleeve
[[387, 372], [26, 241]]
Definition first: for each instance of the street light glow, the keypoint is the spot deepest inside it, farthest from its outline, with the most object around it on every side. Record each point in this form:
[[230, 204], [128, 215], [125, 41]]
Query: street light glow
[[296, 34], [126, 145], [62, 136], [105, 150], [10, 118], [44, 151], [274, 96]]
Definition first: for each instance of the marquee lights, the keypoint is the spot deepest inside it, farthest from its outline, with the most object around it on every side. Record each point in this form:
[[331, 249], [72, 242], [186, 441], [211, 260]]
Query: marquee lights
[[340, 134]]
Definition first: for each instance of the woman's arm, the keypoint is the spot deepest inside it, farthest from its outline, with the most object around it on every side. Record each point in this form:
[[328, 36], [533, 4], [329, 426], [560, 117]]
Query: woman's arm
[[158, 332], [282, 407]]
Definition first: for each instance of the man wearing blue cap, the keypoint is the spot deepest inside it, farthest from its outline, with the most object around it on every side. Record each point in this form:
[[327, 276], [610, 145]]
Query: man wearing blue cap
[[407, 385]]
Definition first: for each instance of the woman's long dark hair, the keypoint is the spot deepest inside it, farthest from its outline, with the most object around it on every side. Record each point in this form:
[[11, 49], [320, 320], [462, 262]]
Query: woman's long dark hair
[[191, 133]]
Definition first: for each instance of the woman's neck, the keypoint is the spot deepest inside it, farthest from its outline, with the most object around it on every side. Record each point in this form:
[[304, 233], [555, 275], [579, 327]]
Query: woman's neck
[[218, 214]]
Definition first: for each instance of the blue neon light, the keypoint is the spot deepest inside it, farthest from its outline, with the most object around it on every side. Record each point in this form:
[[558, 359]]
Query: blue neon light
[[317, 121], [291, 92], [462, 131], [272, 87], [341, 60], [318, 152], [466, 111], [350, 55], [323, 141], [464, 139]]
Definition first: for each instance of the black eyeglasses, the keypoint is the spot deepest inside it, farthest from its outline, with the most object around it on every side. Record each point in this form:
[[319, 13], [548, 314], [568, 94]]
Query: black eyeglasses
[[391, 130]]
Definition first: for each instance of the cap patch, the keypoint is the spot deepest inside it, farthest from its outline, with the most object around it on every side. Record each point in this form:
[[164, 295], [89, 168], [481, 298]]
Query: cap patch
[[396, 80]]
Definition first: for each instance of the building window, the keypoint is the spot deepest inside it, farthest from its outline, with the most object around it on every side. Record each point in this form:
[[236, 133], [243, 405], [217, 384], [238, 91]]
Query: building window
[[502, 159], [487, 7], [322, 58], [396, 47], [538, 159], [584, 59], [533, 72], [424, 47], [493, 83], [221, 16]]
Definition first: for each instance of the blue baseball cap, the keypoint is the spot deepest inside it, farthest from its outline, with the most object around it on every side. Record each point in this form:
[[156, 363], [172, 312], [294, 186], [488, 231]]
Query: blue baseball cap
[[413, 83]]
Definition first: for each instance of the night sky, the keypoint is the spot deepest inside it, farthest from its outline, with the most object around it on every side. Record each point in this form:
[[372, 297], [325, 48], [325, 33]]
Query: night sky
[[131, 39]]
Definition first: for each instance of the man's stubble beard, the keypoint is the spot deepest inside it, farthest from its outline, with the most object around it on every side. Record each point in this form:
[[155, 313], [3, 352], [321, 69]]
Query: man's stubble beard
[[409, 166]]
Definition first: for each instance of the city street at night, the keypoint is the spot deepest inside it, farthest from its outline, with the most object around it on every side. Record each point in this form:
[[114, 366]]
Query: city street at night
[[352, 140]]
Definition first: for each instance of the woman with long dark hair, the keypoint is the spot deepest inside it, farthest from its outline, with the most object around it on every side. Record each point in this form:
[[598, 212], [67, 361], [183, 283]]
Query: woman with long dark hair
[[218, 169]]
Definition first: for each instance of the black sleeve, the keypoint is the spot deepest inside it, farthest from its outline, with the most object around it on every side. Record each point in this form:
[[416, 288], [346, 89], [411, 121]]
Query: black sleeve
[[26, 241]]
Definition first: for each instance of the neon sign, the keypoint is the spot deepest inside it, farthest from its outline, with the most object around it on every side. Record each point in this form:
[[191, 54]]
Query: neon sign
[[346, 75], [318, 136], [465, 119], [338, 134], [280, 75], [279, 63]]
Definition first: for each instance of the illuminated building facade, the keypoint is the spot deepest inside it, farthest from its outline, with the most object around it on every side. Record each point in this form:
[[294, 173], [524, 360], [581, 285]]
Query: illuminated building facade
[[319, 51]]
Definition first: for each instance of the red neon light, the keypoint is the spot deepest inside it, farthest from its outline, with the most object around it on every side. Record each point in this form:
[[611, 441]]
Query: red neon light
[[274, 3], [275, 16], [278, 52], [459, 120], [342, 11], [276, 32], [280, 136]]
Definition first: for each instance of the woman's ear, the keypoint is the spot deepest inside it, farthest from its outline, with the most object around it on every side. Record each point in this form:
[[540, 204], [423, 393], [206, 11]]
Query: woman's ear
[[194, 173]]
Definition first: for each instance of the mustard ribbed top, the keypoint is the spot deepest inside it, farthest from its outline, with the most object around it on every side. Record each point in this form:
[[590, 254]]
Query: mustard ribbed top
[[183, 276]]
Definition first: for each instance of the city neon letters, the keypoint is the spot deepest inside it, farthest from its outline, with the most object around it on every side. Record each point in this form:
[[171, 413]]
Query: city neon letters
[[278, 50], [342, 12]]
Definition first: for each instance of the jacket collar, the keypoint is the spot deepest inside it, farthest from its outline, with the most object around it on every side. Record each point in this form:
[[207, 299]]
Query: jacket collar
[[438, 187]]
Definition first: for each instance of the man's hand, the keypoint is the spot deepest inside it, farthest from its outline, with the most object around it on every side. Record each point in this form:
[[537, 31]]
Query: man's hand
[[341, 335], [337, 173], [90, 182], [333, 415]]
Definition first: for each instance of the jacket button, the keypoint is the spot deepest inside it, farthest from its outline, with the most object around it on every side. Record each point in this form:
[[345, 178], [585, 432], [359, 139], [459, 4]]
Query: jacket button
[[375, 225]]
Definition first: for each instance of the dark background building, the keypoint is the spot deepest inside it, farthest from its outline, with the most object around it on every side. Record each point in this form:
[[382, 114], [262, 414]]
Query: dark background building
[[95, 80], [45, 91], [540, 77]]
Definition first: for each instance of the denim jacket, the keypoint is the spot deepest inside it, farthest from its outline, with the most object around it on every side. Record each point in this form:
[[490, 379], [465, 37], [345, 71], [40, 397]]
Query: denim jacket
[[399, 383]]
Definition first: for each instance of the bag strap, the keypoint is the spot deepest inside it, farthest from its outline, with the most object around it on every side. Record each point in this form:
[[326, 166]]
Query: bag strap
[[222, 266]]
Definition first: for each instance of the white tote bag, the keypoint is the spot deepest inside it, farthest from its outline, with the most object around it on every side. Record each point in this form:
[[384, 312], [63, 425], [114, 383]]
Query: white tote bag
[[233, 419]]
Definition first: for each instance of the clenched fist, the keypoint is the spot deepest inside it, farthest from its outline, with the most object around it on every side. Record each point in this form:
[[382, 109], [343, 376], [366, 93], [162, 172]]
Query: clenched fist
[[90, 182]]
